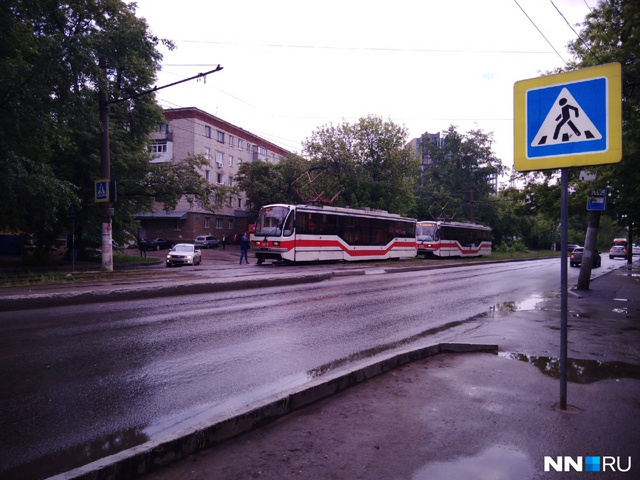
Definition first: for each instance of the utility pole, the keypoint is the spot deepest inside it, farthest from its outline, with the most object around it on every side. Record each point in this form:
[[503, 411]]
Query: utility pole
[[106, 209]]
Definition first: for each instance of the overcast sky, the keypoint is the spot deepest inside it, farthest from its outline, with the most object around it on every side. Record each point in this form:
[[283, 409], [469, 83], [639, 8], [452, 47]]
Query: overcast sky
[[292, 66]]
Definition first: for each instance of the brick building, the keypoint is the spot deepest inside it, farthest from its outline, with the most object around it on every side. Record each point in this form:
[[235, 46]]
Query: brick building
[[226, 146]]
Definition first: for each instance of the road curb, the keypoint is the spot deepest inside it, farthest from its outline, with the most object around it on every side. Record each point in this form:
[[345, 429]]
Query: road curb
[[153, 455]]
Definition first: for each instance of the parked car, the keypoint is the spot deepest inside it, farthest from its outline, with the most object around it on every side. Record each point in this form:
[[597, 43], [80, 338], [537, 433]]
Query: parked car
[[618, 251], [184, 254], [575, 258], [206, 241], [158, 243], [571, 247], [635, 249]]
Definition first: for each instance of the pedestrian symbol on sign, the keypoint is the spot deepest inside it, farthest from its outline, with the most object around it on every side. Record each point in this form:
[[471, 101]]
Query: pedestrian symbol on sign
[[566, 122], [101, 190]]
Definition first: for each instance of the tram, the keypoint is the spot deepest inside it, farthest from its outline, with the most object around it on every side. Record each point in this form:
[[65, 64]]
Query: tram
[[452, 239], [307, 233]]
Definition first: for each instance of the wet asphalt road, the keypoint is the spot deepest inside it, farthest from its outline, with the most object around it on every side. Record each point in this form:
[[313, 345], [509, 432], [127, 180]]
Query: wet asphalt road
[[80, 383]]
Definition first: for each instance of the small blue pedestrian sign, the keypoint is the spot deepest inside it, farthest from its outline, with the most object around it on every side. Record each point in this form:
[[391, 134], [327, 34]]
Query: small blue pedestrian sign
[[597, 201], [102, 190], [568, 119]]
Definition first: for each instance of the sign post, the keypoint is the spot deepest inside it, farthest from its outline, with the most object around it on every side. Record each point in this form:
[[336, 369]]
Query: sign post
[[567, 120]]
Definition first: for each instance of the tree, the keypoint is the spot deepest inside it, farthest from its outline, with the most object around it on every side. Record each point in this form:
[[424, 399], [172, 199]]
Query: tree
[[49, 125], [456, 184], [368, 163]]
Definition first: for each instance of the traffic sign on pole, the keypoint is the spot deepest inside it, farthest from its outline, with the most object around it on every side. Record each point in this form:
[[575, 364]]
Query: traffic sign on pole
[[569, 119], [101, 190]]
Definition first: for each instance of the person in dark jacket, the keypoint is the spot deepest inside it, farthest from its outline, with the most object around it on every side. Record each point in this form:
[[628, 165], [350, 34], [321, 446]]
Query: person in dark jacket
[[244, 247], [143, 247]]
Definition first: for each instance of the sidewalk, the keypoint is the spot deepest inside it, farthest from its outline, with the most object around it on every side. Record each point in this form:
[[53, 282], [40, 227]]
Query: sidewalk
[[440, 411]]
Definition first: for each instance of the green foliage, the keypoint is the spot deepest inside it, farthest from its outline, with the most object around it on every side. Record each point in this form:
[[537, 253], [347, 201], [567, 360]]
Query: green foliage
[[368, 163], [361, 164], [266, 183], [511, 246], [457, 179], [50, 75]]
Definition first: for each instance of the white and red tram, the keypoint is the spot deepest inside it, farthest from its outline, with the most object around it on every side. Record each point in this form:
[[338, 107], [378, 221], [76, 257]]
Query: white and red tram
[[453, 239], [305, 233]]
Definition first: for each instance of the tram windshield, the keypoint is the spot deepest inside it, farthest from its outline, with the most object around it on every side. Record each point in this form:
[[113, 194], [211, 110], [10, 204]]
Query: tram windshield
[[271, 221], [426, 232]]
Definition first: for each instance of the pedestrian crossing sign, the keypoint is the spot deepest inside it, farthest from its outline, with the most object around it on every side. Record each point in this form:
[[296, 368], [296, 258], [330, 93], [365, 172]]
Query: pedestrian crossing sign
[[101, 190], [569, 119]]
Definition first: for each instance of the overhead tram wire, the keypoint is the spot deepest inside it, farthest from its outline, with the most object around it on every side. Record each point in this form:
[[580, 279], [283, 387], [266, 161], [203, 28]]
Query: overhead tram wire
[[577, 34], [540, 31]]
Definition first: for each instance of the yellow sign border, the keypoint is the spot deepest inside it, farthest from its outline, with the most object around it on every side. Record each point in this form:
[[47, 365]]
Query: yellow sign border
[[613, 154]]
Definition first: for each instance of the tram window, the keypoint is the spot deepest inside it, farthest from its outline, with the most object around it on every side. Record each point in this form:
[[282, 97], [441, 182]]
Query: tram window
[[288, 226]]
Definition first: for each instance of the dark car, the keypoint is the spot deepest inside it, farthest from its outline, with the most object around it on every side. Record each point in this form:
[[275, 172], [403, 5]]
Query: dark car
[[618, 251], [206, 241], [158, 243], [576, 258]]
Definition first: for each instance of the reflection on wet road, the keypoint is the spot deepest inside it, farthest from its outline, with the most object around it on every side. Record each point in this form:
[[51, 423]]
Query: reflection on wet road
[[80, 383]]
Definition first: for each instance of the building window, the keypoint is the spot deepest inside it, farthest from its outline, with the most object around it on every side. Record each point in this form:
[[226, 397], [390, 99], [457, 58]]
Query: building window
[[230, 181], [230, 160], [177, 225], [248, 147], [219, 159], [220, 136], [231, 140], [240, 142], [262, 151], [207, 153], [239, 203], [230, 225], [207, 131], [207, 175], [159, 147], [219, 224], [219, 178], [163, 128], [207, 222]]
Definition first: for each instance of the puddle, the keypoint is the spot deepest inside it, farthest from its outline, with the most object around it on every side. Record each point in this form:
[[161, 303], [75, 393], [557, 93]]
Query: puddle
[[496, 463], [579, 371], [507, 308], [620, 310]]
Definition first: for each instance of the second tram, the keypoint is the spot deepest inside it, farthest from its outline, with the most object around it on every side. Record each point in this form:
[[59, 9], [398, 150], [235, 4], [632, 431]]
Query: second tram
[[453, 239], [306, 233]]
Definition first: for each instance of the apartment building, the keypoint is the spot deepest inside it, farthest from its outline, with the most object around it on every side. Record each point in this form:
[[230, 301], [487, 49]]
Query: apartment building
[[226, 146]]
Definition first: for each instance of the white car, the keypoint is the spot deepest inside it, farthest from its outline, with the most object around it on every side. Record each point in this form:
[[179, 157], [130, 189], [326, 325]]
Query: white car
[[184, 254], [636, 249]]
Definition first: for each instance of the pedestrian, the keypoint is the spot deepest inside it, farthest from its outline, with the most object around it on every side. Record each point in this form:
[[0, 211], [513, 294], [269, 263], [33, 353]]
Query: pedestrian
[[224, 241], [143, 245], [244, 247]]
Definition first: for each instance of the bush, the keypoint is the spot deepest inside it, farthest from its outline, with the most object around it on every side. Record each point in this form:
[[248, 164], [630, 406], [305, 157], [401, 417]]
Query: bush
[[511, 246]]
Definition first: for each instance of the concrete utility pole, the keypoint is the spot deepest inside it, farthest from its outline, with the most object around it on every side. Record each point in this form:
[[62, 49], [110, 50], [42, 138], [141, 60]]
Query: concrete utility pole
[[106, 209], [589, 250]]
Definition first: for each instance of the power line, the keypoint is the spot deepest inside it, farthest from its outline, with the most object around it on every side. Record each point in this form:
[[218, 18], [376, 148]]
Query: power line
[[540, 31], [576, 33], [370, 49]]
